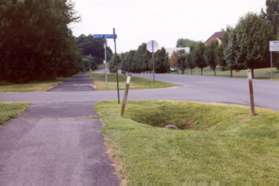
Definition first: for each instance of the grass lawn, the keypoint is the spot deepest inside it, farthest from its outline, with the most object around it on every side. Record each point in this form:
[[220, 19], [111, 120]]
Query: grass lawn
[[264, 73], [219, 144], [10, 111], [28, 87], [136, 83]]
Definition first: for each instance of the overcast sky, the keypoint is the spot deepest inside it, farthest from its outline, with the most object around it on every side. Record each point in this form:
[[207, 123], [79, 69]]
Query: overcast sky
[[138, 21]]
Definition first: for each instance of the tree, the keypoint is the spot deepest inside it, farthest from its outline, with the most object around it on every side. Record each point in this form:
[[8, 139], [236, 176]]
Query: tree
[[89, 46], [230, 49], [211, 56], [186, 43], [36, 43], [272, 14], [161, 61], [253, 34], [190, 62], [115, 63], [182, 59], [198, 56]]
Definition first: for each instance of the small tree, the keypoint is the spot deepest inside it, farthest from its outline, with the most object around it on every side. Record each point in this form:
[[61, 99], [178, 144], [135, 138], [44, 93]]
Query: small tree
[[198, 56], [161, 60], [115, 64], [211, 56], [182, 61], [230, 49]]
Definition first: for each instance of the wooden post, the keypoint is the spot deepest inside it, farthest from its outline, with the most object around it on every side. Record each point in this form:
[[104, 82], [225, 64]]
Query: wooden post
[[251, 93], [125, 98]]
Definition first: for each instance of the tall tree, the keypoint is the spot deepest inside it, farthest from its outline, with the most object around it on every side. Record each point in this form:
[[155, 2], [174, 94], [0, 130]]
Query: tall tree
[[272, 14], [182, 60], [253, 35], [36, 43], [161, 60], [198, 56], [211, 56]]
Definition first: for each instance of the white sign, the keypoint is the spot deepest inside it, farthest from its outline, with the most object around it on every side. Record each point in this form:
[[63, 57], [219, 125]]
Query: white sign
[[152, 46], [274, 46]]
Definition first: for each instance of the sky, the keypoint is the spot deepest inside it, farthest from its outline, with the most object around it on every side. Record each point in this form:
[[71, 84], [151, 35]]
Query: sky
[[138, 21]]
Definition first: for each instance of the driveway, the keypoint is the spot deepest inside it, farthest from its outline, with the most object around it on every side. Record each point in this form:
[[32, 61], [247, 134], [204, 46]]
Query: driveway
[[57, 144]]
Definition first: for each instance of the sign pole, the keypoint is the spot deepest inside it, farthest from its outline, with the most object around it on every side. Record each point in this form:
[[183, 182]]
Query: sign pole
[[106, 68], [251, 93], [153, 61], [271, 65], [117, 78]]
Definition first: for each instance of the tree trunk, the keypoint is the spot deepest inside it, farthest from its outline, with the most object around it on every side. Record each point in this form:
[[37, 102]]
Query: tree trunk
[[183, 71], [191, 71], [215, 74], [202, 71], [231, 72]]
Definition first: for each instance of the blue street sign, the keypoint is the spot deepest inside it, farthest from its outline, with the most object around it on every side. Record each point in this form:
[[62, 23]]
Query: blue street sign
[[105, 36]]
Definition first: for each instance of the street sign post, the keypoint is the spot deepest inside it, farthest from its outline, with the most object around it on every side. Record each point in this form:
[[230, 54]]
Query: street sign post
[[153, 46], [273, 47], [114, 37]]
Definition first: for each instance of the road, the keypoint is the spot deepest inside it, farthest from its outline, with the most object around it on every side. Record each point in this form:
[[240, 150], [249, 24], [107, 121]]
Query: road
[[56, 144], [195, 88]]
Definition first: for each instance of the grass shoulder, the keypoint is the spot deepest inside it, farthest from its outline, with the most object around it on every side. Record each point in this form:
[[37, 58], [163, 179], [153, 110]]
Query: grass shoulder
[[223, 144], [11, 110], [136, 82], [28, 87]]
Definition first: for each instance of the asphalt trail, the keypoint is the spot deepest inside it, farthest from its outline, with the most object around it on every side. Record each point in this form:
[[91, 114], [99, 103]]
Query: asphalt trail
[[57, 144]]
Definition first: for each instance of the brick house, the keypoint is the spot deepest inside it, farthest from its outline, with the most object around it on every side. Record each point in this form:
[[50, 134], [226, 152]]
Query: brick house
[[217, 36]]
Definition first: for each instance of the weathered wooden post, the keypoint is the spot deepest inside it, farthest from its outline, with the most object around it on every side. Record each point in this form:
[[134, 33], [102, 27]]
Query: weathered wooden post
[[125, 98], [251, 93]]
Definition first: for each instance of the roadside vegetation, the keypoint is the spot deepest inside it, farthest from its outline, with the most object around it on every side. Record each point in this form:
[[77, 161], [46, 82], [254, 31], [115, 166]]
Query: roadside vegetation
[[136, 82], [216, 144], [10, 111], [28, 87], [263, 73]]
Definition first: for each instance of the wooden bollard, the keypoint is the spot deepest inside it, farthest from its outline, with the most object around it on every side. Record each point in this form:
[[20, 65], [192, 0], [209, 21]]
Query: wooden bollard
[[125, 98], [251, 93]]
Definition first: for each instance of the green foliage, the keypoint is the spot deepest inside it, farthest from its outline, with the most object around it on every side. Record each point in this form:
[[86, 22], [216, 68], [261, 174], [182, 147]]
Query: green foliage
[[253, 34], [186, 43], [211, 55], [182, 61], [272, 14], [161, 60], [198, 56], [94, 48], [115, 64], [36, 43]]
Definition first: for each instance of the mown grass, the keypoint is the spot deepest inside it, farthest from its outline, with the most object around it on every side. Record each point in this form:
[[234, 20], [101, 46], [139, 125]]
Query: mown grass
[[136, 82], [10, 111], [28, 87], [225, 146], [264, 73]]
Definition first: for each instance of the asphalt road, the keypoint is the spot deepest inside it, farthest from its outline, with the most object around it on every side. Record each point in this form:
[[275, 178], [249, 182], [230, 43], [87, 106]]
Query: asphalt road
[[195, 88], [58, 144]]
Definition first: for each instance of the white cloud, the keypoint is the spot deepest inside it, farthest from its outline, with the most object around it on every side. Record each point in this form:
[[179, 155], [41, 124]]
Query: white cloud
[[138, 21]]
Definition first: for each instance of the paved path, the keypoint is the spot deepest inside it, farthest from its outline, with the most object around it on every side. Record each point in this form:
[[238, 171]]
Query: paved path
[[57, 144]]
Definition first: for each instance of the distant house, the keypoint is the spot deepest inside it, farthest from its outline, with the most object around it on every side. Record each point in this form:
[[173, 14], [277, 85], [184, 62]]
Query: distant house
[[216, 37]]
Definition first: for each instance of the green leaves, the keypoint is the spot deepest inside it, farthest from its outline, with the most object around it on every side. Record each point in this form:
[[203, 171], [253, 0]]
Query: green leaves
[[36, 42]]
